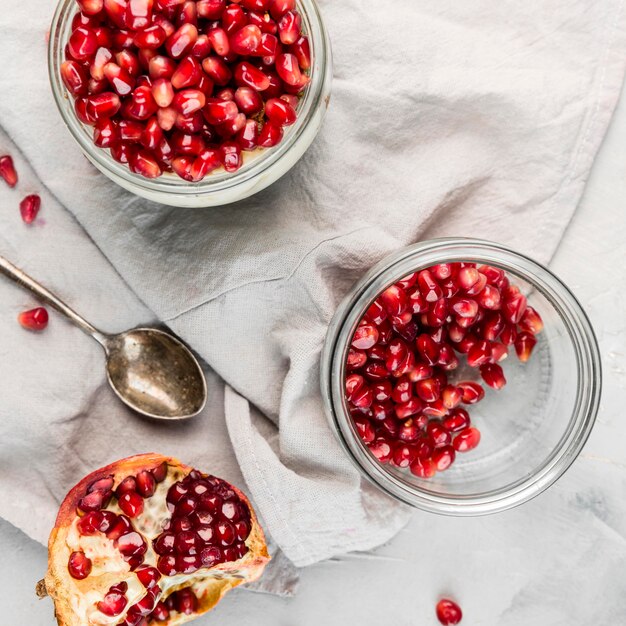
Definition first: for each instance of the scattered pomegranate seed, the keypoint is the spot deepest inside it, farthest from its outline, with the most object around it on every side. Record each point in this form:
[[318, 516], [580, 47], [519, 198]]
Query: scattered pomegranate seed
[[448, 612], [29, 208], [7, 170], [34, 319], [403, 401], [134, 60]]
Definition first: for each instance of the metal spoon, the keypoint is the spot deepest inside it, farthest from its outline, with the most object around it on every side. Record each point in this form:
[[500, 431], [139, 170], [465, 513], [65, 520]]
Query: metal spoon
[[149, 370]]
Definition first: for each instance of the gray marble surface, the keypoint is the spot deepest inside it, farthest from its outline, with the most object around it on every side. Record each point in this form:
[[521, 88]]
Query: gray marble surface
[[560, 559]]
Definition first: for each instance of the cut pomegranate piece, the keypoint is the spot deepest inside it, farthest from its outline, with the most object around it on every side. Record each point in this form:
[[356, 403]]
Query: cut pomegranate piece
[[210, 553], [448, 612], [33, 319], [29, 208]]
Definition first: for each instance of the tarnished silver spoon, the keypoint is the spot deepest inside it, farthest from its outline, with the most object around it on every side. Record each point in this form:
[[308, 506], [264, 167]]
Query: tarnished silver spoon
[[149, 370]]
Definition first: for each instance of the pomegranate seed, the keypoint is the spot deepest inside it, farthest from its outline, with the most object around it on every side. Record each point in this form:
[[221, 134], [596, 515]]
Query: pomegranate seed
[[493, 375], [246, 75], [103, 105], [231, 156], [531, 321], [79, 565], [429, 287], [189, 101], [181, 42], [404, 455], [268, 47], [489, 298], [381, 449], [524, 345], [248, 136], [393, 300], [187, 74], [131, 544], [186, 601], [278, 8], [478, 286], [409, 408], [467, 277], [74, 77], [90, 7], [160, 612], [144, 163], [438, 435], [428, 349], [233, 18], [472, 392], [163, 92], [467, 440], [457, 420], [246, 41], [428, 390], [508, 334], [29, 208], [103, 56], [423, 468], [82, 43], [513, 308], [289, 27], [365, 337], [479, 354], [409, 431], [443, 458], [271, 134], [33, 319], [288, 69], [448, 612], [210, 9], [364, 428], [113, 603], [202, 47], [279, 112], [119, 79], [301, 49], [499, 352], [167, 564], [248, 100], [217, 70], [161, 67], [131, 503], [151, 37]]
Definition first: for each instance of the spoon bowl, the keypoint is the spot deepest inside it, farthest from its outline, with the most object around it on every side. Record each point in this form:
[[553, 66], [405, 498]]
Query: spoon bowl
[[155, 374]]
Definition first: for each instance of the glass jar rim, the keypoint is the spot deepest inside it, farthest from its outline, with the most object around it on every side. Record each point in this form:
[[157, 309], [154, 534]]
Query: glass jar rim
[[313, 99], [451, 249]]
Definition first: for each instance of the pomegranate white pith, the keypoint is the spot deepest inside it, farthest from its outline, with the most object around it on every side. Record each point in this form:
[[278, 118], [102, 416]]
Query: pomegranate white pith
[[103, 566]]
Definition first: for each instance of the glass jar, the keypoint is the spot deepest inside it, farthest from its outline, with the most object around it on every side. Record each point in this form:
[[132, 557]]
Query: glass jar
[[260, 169], [532, 430]]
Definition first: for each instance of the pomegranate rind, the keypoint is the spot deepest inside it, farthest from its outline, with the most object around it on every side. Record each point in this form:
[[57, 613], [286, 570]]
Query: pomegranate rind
[[64, 590]]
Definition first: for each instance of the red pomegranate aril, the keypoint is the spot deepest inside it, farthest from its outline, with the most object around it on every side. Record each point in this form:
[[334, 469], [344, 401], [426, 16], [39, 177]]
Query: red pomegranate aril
[[90, 7], [443, 458], [246, 41], [187, 74], [479, 354], [420, 371], [138, 14], [210, 9], [182, 167], [246, 75], [219, 111], [121, 152], [161, 67], [95, 500], [513, 308], [188, 101], [34, 319], [248, 136], [408, 431], [279, 112], [167, 564], [146, 484], [428, 389], [95, 87], [402, 390], [457, 420], [451, 397], [428, 286], [409, 408], [278, 8], [188, 13], [301, 49], [131, 503], [289, 27], [438, 434], [465, 307], [382, 390], [248, 100], [103, 105], [493, 375], [160, 613], [186, 601], [113, 603], [448, 612], [531, 321], [103, 56], [29, 208], [289, 70], [376, 371], [270, 135], [435, 409], [381, 449], [268, 48], [163, 92], [219, 41], [472, 392], [132, 544], [79, 565], [231, 156], [207, 161], [365, 337], [489, 298], [151, 37], [393, 300], [202, 48], [233, 18], [423, 468], [427, 349], [143, 162], [365, 429], [74, 77], [524, 345], [466, 440], [82, 43], [119, 79], [181, 42], [142, 105], [478, 286], [404, 455]]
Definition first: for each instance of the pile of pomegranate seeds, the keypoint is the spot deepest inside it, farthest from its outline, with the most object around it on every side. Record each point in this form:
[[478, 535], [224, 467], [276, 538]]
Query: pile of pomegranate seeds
[[448, 612], [34, 319], [402, 402], [185, 86]]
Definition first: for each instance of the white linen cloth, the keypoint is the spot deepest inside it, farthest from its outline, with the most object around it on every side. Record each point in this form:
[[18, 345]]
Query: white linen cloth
[[477, 119]]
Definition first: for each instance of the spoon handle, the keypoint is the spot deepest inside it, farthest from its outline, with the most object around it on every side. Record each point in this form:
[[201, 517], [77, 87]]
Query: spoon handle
[[24, 280]]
